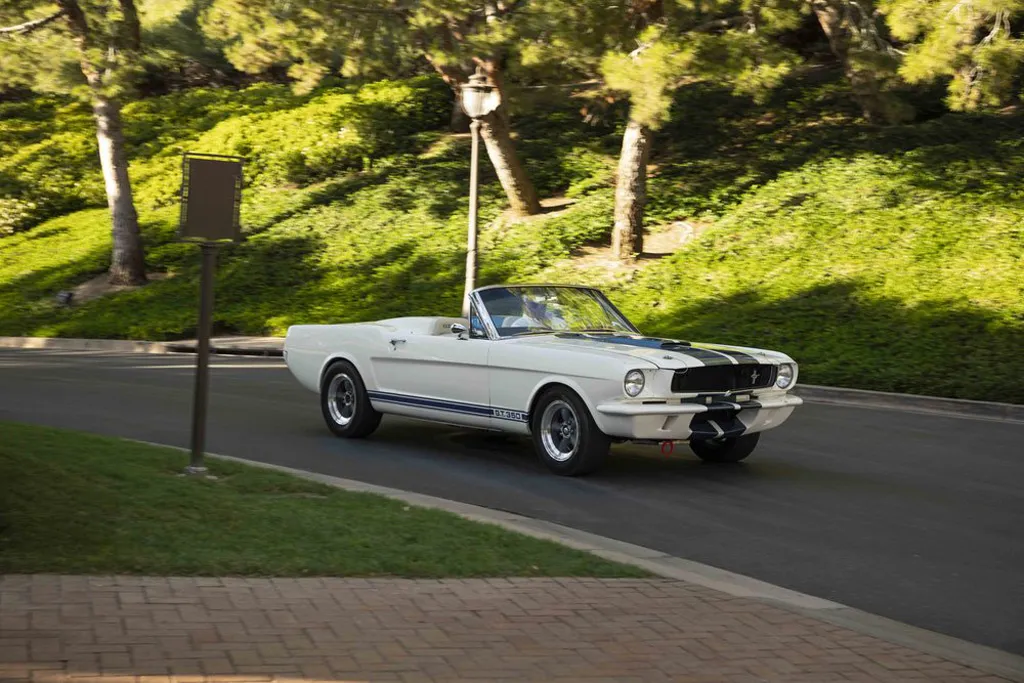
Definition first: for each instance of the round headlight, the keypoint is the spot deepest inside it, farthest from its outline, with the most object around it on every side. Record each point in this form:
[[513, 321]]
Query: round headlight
[[785, 377], [634, 382]]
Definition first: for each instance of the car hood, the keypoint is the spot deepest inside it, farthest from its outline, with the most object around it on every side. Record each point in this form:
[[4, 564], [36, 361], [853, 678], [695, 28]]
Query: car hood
[[664, 353]]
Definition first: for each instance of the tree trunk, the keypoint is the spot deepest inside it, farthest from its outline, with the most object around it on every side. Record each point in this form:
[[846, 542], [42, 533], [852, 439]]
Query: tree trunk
[[127, 264], [496, 132], [631, 192], [459, 122], [502, 152], [453, 77], [967, 94], [862, 81]]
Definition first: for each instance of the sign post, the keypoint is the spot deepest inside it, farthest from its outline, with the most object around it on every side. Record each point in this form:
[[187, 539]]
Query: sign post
[[211, 195]]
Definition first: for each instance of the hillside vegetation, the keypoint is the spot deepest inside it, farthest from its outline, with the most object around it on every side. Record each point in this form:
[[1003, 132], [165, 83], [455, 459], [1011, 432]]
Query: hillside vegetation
[[887, 258]]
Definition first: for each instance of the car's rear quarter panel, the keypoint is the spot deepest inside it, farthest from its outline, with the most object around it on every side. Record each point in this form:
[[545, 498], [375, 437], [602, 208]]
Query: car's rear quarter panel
[[309, 349]]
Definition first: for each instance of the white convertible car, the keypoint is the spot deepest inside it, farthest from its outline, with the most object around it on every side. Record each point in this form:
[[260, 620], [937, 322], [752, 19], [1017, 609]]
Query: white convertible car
[[558, 363]]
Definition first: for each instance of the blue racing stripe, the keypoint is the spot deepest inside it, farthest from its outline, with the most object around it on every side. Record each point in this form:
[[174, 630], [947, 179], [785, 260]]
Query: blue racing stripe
[[449, 406], [704, 355]]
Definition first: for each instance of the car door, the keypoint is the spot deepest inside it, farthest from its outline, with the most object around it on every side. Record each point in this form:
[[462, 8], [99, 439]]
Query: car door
[[437, 377]]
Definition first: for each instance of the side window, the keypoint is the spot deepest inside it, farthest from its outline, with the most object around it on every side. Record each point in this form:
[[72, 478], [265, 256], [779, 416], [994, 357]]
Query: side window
[[476, 325]]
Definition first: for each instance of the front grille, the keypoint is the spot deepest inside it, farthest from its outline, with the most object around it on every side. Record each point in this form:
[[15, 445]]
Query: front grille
[[716, 378]]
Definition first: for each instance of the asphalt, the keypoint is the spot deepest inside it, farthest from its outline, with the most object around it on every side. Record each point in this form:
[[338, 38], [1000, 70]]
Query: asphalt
[[918, 518]]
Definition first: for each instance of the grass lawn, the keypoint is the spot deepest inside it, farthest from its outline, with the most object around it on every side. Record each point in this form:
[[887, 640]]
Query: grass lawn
[[78, 503]]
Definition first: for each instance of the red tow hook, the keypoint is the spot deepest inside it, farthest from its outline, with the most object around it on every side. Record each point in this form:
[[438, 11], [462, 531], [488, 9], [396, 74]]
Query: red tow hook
[[667, 447]]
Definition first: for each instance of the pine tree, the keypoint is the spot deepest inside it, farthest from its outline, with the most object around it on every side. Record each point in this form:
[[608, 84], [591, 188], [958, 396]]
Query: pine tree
[[89, 49], [868, 59], [314, 39], [642, 51], [736, 49], [971, 42]]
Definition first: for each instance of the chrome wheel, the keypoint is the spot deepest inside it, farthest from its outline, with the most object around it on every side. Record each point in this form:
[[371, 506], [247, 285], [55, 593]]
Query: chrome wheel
[[341, 399], [560, 431]]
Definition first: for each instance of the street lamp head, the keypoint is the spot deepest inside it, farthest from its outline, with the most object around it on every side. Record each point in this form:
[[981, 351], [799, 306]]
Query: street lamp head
[[479, 98]]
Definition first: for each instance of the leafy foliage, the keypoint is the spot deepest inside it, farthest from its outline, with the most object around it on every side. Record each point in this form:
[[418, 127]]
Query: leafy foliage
[[972, 43], [286, 138]]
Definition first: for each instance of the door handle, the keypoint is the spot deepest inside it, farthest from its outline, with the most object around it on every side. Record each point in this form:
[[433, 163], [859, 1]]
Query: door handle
[[396, 342]]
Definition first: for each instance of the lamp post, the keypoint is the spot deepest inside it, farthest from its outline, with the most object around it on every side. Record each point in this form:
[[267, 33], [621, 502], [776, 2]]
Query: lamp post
[[479, 99]]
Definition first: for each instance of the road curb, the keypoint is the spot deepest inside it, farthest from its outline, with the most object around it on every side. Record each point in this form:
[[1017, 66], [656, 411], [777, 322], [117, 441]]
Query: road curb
[[667, 566], [67, 344], [986, 410], [878, 400], [130, 346]]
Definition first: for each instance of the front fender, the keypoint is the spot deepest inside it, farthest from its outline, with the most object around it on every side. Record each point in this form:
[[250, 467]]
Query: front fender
[[591, 391]]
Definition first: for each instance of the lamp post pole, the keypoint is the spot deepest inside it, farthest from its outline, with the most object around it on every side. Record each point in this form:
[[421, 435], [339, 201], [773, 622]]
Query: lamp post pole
[[474, 181], [478, 100]]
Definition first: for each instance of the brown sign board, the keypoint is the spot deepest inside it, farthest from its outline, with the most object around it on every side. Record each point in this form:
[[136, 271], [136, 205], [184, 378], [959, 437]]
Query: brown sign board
[[211, 194]]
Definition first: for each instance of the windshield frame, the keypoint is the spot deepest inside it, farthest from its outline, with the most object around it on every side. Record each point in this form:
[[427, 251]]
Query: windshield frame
[[492, 331]]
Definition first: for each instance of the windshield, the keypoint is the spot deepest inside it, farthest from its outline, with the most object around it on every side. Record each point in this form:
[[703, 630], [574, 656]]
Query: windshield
[[540, 310]]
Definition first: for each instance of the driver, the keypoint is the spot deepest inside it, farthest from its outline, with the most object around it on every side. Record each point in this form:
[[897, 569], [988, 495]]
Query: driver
[[537, 314]]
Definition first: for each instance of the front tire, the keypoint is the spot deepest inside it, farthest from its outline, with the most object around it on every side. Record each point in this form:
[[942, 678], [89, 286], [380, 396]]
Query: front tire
[[565, 436], [345, 403], [733, 449]]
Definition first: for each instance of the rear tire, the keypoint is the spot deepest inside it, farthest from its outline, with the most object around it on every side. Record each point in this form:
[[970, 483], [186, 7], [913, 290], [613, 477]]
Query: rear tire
[[733, 449], [345, 403], [565, 436]]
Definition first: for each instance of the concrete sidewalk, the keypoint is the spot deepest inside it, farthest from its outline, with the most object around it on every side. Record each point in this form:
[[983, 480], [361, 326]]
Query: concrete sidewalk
[[58, 628]]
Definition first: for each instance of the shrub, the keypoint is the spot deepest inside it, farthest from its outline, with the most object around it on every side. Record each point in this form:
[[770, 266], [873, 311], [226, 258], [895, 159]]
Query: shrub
[[15, 214], [51, 165]]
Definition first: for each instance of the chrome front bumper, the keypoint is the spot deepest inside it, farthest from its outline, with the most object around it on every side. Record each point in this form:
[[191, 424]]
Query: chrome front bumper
[[689, 419]]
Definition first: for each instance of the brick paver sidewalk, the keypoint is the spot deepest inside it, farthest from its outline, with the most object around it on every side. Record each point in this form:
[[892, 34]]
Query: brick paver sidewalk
[[116, 629]]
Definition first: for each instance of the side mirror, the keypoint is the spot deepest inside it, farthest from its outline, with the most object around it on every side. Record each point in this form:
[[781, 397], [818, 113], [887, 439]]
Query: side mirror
[[458, 329]]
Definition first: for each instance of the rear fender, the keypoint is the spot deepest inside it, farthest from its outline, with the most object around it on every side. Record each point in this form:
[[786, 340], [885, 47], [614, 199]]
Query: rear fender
[[338, 356]]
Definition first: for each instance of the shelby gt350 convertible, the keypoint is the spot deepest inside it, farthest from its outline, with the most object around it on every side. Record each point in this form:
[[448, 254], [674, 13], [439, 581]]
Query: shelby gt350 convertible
[[558, 363]]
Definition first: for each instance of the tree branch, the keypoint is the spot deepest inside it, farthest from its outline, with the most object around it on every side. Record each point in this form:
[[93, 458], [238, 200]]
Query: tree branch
[[79, 27], [640, 49], [955, 9], [33, 25], [997, 26], [864, 25], [76, 20], [131, 19], [593, 81]]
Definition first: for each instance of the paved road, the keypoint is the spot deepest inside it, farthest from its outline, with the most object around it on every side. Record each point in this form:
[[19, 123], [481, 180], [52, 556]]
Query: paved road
[[919, 518]]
